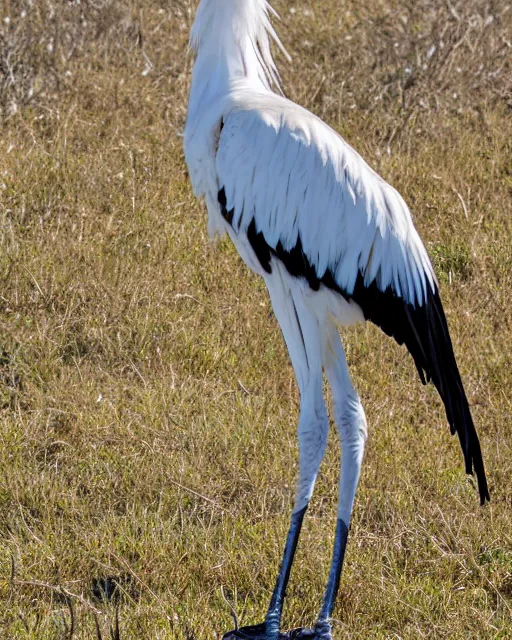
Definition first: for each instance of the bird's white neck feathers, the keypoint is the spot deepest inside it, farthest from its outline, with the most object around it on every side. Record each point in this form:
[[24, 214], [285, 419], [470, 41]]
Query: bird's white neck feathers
[[232, 41]]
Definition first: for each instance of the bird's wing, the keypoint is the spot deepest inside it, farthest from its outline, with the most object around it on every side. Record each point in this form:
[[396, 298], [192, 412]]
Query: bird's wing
[[299, 181], [301, 194]]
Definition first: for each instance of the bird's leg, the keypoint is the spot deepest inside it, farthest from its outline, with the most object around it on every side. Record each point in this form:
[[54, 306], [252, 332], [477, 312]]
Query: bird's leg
[[323, 625], [313, 428], [302, 335], [275, 609], [351, 424]]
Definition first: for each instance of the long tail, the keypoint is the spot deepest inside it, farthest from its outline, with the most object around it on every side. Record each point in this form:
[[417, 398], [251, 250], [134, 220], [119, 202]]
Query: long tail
[[424, 331], [442, 369]]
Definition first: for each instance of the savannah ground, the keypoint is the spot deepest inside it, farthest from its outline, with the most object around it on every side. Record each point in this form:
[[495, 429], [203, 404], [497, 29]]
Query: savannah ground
[[148, 407]]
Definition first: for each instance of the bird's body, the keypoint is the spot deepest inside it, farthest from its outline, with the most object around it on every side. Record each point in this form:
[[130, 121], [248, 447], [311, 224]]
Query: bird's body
[[334, 242]]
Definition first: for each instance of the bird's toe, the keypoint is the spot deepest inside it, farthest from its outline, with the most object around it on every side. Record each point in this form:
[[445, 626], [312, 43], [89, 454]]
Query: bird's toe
[[301, 634], [252, 632], [258, 632]]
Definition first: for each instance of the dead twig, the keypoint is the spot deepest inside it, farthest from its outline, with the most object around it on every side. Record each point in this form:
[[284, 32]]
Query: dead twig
[[70, 631], [60, 590], [199, 495], [464, 208], [114, 631], [143, 584], [98, 630], [231, 608]]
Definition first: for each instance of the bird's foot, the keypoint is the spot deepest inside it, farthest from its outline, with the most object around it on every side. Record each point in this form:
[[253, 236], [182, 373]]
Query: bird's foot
[[258, 632], [253, 632], [301, 634], [323, 630]]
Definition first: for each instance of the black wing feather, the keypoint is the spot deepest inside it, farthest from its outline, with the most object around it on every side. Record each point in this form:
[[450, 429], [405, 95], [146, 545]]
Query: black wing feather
[[424, 331]]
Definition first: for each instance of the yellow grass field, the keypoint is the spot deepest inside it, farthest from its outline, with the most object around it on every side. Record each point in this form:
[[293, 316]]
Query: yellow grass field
[[148, 408]]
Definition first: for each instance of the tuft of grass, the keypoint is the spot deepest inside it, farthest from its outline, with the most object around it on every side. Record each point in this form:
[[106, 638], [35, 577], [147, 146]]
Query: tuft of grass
[[452, 262], [148, 409]]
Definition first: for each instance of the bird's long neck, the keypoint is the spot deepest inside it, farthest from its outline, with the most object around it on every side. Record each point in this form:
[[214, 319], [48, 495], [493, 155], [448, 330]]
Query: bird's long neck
[[231, 38]]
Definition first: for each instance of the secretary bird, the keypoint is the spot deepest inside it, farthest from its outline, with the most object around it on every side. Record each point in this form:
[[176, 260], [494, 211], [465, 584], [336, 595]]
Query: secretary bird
[[335, 245]]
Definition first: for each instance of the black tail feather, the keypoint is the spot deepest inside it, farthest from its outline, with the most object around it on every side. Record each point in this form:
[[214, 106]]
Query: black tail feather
[[424, 331]]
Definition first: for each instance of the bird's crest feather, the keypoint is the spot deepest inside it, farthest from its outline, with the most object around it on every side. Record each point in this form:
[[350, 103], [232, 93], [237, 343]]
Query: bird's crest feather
[[248, 21]]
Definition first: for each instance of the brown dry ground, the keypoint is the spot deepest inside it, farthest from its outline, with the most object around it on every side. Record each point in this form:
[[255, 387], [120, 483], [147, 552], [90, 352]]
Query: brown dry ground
[[148, 407]]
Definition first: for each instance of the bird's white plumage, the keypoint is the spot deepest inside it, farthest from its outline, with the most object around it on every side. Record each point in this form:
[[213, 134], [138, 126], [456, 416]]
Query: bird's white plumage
[[334, 242], [292, 173], [250, 32], [284, 167]]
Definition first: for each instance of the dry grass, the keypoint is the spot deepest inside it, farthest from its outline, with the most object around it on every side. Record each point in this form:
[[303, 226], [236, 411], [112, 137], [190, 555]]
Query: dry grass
[[148, 408]]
